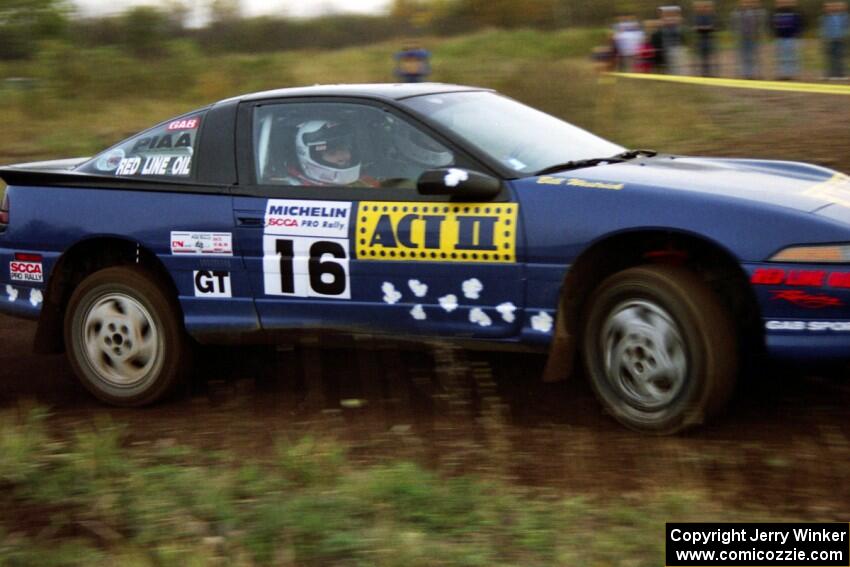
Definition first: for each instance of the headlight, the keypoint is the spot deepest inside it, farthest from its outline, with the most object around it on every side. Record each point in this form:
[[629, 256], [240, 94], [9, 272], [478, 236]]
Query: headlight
[[829, 254]]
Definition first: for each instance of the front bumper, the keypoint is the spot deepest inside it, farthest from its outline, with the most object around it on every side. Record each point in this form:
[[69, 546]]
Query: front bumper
[[805, 310]]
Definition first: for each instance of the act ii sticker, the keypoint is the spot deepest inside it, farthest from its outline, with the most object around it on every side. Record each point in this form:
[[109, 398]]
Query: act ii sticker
[[437, 232]]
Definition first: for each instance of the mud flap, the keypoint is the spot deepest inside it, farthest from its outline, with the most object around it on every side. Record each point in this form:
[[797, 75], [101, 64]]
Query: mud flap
[[559, 365]]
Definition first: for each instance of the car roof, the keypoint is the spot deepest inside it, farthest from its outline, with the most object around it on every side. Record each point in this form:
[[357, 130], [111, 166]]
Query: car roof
[[392, 91]]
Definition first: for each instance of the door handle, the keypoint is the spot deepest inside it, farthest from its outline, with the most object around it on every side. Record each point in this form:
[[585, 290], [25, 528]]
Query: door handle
[[250, 221]]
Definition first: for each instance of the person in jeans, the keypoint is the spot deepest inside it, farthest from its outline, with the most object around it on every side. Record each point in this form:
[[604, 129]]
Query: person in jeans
[[748, 23], [835, 30], [704, 28], [787, 27], [673, 40]]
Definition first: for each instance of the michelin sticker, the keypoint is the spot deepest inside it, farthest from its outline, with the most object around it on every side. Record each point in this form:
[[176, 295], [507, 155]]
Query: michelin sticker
[[212, 283], [203, 243], [437, 232], [305, 248]]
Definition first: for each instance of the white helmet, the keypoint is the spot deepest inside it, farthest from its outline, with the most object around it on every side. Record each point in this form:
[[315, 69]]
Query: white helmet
[[316, 137], [420, 148]]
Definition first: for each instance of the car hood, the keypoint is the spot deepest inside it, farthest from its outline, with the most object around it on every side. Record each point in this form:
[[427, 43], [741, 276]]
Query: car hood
[[794, 185]]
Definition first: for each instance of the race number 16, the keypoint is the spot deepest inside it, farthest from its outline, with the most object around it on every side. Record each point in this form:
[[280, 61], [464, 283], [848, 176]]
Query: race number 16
[[306, 267]]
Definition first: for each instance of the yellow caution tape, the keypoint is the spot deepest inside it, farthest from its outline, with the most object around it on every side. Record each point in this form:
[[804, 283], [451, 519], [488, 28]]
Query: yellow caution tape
[[794, 87]]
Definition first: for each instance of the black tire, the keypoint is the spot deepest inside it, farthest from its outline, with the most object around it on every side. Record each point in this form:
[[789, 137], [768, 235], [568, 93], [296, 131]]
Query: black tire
[[124, 338], [660, 348]]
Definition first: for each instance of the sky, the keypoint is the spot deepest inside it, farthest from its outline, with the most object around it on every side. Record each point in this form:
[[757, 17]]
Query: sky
[[294, 8]]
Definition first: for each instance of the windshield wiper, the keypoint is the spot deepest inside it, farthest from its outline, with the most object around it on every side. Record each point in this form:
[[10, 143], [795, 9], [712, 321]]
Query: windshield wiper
[[579, 163], [632, 154]]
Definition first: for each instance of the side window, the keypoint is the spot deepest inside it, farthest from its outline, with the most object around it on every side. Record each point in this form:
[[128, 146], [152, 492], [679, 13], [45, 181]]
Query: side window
[[164, 151], [321, 144]]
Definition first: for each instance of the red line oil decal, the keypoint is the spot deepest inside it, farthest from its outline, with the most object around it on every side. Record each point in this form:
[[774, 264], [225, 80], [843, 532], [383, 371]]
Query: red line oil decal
[[807, 278], [801, 298]]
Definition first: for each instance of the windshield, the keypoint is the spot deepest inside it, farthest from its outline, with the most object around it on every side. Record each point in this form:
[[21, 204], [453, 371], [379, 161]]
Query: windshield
[[519, 137]]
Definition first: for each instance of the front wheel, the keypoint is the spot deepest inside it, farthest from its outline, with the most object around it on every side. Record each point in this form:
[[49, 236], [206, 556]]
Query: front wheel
[[123, 337], [660, 348]]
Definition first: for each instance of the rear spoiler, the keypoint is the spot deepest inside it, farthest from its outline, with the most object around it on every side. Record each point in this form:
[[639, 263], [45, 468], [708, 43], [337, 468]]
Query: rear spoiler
[[54, 164], [47, 174]]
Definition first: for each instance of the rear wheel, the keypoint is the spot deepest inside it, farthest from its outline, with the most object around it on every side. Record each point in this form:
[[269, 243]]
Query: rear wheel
[[123, 337], [660, 348]]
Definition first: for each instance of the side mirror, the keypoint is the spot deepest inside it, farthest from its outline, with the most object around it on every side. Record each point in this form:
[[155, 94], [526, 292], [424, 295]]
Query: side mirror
[[463, 184]]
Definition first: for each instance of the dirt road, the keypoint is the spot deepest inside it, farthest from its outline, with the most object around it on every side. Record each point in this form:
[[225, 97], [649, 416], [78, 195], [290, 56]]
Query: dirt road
[[785, 442]]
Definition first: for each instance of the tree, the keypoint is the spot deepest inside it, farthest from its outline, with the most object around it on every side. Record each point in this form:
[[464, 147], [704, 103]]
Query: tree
[[146, 30], [224, 11], [23, 23]]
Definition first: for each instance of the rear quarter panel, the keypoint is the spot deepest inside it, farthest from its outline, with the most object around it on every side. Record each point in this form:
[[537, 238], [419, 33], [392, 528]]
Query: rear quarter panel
[[50, 220]]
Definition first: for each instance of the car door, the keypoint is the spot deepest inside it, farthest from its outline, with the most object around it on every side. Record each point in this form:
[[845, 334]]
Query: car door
[[371, 254]]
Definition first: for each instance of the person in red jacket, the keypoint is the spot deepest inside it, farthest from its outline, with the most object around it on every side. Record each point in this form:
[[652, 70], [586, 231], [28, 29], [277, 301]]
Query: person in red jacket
[[645, 61]]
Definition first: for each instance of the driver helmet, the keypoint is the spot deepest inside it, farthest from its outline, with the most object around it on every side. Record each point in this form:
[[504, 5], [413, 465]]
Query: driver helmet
[[326, 152], [420, 148]]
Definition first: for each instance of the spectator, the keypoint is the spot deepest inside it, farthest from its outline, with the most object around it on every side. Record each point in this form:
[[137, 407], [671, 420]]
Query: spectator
[[413, 64], [787, 27], [748, 23], [835, 29], [647, 60], [628, 37], [656, 39], [604, 58], [705, 27], [673, 40]]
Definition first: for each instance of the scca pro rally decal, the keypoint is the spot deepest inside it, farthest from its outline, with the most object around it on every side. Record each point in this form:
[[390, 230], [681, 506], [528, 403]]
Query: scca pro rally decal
[[435, 232], [305, 248], [212, 283], [205, 243], [26, 272]]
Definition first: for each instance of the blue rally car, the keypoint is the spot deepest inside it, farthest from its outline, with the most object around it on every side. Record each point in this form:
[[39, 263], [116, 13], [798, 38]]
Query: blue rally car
[[427, 210]]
